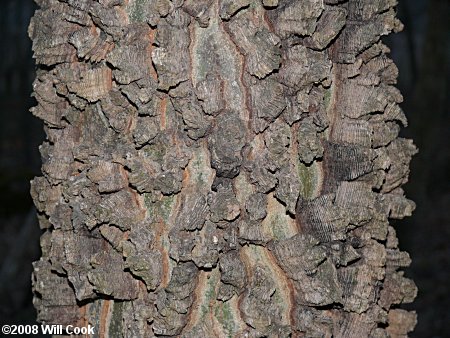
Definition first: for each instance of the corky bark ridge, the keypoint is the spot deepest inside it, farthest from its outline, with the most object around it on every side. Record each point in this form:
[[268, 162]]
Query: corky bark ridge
[[220, 168]]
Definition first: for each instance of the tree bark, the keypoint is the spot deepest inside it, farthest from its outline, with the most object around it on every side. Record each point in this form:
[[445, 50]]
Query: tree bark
[[220, 168]]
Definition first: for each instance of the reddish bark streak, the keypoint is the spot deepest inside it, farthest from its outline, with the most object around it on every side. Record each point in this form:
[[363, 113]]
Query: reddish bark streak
[[160, 227], [83, 316], [103, 324], [288, 283]]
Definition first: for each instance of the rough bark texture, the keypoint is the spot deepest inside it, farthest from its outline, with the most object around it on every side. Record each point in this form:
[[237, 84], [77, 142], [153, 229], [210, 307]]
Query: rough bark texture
[[219, 168]]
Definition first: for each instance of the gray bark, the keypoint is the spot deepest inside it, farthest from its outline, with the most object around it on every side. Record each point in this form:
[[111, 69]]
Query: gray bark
[[220, 168]]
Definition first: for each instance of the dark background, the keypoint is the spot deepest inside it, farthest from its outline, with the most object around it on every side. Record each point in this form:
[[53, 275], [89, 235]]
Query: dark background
[[421, 53]]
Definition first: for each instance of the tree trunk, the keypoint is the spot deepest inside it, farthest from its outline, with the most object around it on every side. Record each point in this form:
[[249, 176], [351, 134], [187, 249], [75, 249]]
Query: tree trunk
[[220, 168]]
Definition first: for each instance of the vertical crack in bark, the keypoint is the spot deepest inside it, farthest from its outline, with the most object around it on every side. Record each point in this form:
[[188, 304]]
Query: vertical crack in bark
[[153, 72], [287, 288], [104, 318], [161, 236]]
